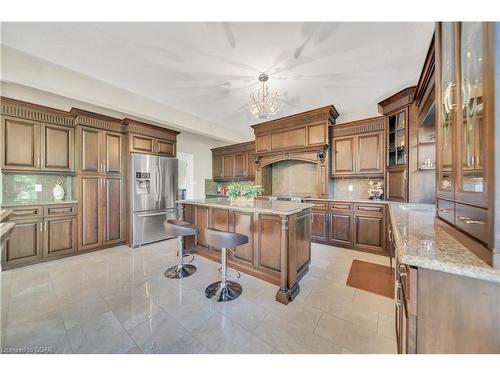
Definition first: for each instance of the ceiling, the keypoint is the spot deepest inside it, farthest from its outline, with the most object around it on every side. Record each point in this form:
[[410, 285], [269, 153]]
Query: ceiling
[[209, 69]]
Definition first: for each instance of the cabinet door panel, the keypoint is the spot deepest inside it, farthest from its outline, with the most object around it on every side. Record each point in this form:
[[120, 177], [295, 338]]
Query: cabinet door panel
[[201, 224], [242, 222], [217, 167], [142, 143], [319, 226], [340, 229], [239, 165], [90, 152], [369, 153], [228, 166], [57, 148], [396, 185], [90, 212], [25, 243], [112, 152], [343, 155], [251, 166], [165, 148], [60, 236], [369, 233], [113, 210], [20, 144]]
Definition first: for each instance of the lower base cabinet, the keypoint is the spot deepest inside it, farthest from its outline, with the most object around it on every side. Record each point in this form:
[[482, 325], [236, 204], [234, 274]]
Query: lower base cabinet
[[41, 234], [340, 229], [369, 234], [319, 229]]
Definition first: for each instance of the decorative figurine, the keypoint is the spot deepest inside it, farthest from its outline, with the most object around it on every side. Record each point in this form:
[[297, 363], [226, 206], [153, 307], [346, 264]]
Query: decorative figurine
[[375, 190]]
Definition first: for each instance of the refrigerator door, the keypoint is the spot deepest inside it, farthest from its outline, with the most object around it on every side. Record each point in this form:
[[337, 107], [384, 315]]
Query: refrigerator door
[[148, 226], [143, 182], [168, 171]]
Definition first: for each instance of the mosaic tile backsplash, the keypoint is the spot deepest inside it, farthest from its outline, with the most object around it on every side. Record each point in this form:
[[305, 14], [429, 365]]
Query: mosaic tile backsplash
[[21, 187]]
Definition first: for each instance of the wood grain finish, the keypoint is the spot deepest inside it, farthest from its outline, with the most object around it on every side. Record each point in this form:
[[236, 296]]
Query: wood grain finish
[[113, 219], [201, 223], [319, 226], [396, 184], [113, 153], [25, 243], [369, 155], [90, 198], [142, 144], [269, 240], [234, 162], [243, 222], [340, 229], [60, 236], [90, 150], [343, 156], [57, 148], [20, 144], [369, 233], [165, 148]]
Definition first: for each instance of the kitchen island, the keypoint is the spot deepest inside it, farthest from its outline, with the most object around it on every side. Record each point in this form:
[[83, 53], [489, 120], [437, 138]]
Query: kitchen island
[[279, 238]]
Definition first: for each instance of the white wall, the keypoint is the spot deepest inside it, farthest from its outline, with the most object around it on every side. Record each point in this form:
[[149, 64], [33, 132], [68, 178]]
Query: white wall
[[359, 114]]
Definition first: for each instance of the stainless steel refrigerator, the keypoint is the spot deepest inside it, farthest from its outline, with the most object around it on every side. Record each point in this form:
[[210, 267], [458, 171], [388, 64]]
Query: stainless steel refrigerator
[[153, 191]]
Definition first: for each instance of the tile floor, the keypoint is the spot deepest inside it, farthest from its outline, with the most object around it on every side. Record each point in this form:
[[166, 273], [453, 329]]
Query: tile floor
[[117, 301]]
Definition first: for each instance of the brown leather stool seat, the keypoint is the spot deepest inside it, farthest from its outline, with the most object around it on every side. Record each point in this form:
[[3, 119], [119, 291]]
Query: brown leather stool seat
[[179, 229], [224, 290]]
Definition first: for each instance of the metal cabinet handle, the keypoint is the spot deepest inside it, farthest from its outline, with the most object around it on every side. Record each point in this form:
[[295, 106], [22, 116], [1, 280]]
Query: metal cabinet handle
[[468, 220], [45, 227], [444, 210], [155, 214], [367, 208]]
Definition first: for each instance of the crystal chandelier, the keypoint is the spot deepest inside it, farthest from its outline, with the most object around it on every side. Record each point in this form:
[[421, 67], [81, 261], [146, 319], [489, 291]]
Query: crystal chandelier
[[263, 105]]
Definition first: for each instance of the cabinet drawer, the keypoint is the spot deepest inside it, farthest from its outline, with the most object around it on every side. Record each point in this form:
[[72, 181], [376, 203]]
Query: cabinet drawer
[[319, 205], [60, 210], [446, 210], [370, 209], [341, 206], [27, 212], [472, 220]]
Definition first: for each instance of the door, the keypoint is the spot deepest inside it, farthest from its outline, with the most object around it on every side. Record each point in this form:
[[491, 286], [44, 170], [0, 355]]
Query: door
[[165, 148], [60, 236], [319, 226], [112, 153], [148, 226], [113, 219], [369, 233], [396, 184], [476, 113], [369, 154], [217, 167], [25, 242], [90, 150], [20, 144], [168, 182], [90, 192], [446, 104], [144, 182], [240, 170], [57, 148], [340, 229], [142, 143], [343, 155]]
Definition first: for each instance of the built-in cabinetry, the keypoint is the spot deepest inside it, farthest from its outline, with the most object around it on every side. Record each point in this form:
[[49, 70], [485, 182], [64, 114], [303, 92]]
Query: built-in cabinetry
[[41, 233], [147, 139], [357, 148], [234, 162], [398, 112], [465, 124], [356, 225]]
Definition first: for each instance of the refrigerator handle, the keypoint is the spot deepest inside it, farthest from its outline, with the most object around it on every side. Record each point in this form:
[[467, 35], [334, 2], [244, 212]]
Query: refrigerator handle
[[157, 192]]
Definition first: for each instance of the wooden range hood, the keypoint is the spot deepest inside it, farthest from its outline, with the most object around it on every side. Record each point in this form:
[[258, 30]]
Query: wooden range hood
[[301, 137]]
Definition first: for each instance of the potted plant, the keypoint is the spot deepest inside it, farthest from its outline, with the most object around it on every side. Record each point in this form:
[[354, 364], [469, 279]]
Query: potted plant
[[243, 191]]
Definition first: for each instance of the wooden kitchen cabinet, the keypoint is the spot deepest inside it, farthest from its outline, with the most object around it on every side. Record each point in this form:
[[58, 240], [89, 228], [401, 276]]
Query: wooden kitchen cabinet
[[25, 244], [100, 151], [319, 229], [234, 162], [113, 209], [60, 236], [34, 146], [358, 148], [149, 145], [112, 153], [396, 184], [340, 229]]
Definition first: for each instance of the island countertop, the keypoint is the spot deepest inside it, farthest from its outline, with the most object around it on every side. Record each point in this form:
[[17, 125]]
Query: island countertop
[[420, 242], [285, 208]]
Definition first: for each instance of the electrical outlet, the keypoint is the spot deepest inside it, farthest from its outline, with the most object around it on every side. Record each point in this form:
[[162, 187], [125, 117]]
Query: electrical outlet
[[351, 187], [38, 187]]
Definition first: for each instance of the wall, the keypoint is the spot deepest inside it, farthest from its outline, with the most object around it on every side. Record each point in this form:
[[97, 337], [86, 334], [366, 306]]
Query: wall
[[360, 187], [294, 177], [359, 114]]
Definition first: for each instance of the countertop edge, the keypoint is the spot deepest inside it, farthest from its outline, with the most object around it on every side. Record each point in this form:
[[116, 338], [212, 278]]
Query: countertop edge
[[304, 206]]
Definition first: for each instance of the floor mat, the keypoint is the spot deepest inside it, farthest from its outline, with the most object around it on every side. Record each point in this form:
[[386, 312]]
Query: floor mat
[[371, 277]]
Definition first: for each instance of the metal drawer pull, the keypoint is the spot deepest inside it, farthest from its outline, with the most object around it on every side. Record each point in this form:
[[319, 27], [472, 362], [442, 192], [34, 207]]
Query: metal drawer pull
[[366, 208], [340, 207], [444, 210], [468, 220]]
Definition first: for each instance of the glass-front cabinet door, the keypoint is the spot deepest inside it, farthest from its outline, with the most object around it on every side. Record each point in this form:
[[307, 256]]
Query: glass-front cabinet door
[[446, 100], [472, 115], [397, 139]]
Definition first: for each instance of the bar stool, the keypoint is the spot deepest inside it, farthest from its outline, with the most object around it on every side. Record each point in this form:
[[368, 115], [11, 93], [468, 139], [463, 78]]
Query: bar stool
[[224, 290], [179, 229]]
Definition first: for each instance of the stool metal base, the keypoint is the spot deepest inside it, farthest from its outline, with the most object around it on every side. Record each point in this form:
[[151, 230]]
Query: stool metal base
[[216, 293], [177, 272]]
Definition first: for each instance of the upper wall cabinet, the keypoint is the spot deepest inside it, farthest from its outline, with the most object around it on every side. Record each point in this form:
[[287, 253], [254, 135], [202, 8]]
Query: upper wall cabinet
[[234, 162], [34, 146], [358, 148], [147, 139], [303, 130], [100, 151]]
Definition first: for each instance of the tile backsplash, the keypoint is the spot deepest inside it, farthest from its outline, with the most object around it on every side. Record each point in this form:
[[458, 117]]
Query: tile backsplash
[[359, 185], [21, 187]]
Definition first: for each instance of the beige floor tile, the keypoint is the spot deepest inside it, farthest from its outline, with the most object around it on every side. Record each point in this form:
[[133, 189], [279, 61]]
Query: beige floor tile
[[288, 338], [374, 302], [103, 334], [77, 311], [386, 326], [219, 334], [247, 314], [353, 337], [355, 314], [162, 334]]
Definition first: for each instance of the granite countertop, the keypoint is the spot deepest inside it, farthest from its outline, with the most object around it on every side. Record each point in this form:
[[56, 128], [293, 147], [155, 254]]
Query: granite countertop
[[261, 206], [420, 242], [37, 203]]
